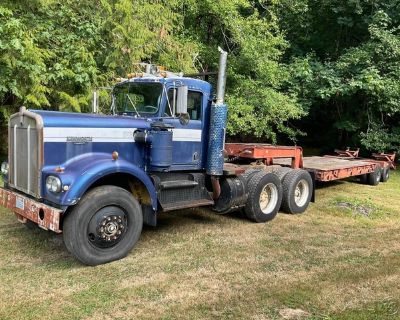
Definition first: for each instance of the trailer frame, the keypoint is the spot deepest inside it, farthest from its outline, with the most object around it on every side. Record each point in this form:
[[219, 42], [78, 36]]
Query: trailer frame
[[324, 168]]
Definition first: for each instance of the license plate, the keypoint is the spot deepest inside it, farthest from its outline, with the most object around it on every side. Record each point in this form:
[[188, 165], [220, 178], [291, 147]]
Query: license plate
[[20, 203]]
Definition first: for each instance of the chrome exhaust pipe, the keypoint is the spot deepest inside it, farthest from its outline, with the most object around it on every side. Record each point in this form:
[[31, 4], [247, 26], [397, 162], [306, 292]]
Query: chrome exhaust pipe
[[221, 76]]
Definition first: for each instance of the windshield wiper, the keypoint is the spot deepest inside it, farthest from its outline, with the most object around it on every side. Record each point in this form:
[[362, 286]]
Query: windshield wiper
[[133, 105]]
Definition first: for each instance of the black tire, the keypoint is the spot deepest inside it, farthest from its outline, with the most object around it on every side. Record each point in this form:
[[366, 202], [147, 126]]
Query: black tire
[[297, 183], [385, 175], [363, 178], [104, 226], [249, 173], [282, 172], [267, 186], [374, 177]]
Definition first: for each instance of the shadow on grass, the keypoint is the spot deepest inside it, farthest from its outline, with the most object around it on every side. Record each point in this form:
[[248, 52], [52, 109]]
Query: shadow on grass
[[47, 248], [176, 220]]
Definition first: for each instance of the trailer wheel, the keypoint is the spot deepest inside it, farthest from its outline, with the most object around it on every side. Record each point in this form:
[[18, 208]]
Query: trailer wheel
[[264, 197], [385, 174], [374, 178], [363, 178], [282, 172], [297, 191], [104, 226]]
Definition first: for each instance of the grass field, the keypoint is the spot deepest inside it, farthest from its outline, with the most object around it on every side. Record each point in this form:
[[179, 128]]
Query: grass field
[[339, 260]]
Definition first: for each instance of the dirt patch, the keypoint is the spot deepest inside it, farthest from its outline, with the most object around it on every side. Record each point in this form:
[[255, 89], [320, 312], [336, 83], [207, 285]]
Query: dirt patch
[[293, 314], [364, 210]]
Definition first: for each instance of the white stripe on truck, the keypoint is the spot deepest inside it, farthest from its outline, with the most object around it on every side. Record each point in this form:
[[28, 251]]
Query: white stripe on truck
[[111, 134]]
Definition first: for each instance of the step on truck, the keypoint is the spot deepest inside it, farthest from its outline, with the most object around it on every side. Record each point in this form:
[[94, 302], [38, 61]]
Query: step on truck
[[98, 178]]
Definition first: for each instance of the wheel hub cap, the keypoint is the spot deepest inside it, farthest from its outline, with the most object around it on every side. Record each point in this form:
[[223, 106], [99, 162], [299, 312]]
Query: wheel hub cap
[[107, 227], [301, 193], [268, 198]]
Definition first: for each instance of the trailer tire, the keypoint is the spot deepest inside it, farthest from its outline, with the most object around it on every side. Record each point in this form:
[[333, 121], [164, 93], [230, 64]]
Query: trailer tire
[[282, 172], [297, 191], [385, 174], [374, 177], [363, 178], [264, 197], [104, 226]]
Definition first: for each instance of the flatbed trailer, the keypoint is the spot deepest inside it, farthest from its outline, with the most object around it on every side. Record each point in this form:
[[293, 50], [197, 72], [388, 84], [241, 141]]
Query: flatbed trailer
[[323, 168]]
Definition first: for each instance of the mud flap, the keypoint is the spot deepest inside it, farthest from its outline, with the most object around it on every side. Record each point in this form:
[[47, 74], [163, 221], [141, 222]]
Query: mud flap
[[149, 216], [312, 174]]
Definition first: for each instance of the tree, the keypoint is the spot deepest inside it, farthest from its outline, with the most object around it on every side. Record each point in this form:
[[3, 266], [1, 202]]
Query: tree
[[344, 58]]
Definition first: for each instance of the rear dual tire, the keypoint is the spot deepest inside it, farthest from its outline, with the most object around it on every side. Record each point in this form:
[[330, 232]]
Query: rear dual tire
[[385, 174], [297, 191], [264, 197], [378, 175], [374, 177]]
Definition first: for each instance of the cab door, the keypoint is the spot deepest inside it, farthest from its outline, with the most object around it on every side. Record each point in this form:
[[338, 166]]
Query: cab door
[[187, 138]]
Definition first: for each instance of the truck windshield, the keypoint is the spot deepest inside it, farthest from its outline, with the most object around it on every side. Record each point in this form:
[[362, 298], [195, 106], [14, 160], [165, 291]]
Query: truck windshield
[[137, 98]]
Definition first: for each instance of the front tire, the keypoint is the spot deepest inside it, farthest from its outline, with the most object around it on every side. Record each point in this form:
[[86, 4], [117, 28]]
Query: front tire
[[264, 197], [104, 226]]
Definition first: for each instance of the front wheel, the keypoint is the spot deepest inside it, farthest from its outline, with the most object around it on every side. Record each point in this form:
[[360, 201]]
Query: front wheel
[[104, 226]]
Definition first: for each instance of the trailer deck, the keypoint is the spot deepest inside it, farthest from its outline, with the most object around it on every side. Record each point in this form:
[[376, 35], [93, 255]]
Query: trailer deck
[[328, 168], [325, 168]]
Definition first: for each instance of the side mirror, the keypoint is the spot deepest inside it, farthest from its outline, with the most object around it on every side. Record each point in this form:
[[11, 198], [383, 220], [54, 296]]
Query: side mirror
[[182, 100]]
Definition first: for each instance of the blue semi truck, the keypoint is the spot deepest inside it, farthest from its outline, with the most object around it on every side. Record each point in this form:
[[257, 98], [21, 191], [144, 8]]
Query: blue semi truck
[[97, 178]]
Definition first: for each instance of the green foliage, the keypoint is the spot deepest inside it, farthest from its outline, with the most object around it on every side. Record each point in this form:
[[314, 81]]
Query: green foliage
[[328, 68], [347, 74], [258, 107]]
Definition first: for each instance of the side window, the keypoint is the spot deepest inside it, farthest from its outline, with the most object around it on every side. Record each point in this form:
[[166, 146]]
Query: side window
[[195, 100]]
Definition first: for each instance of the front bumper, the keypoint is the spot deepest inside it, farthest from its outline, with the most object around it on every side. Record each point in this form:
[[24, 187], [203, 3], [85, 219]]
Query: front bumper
[[44, 216]]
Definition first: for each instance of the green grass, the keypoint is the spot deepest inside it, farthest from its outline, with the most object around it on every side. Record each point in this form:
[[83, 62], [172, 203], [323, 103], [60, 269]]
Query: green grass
[[332, 262]]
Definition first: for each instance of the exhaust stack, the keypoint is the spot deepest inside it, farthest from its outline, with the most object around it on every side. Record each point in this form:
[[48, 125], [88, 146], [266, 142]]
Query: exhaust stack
[[218, 115], [221, 76]]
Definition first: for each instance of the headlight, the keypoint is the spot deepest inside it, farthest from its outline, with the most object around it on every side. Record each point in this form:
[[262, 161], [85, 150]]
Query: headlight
[[53, 184], [4, 168]]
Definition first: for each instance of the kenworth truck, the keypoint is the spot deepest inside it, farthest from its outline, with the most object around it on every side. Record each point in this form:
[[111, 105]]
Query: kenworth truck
[[96, 179]]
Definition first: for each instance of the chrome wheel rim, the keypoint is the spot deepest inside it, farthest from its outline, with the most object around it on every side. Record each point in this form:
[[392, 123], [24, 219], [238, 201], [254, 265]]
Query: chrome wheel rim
[[301, 193], [268, 198]]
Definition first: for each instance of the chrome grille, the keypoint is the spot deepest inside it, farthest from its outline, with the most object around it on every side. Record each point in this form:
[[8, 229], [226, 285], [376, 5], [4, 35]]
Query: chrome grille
[[25, 152]]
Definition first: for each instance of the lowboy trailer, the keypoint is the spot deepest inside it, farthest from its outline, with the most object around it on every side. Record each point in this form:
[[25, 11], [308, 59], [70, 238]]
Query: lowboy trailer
[[327, 168], [96, 179]]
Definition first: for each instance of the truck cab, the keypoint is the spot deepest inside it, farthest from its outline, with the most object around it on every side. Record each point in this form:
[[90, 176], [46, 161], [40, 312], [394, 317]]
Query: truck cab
[[155, 99]]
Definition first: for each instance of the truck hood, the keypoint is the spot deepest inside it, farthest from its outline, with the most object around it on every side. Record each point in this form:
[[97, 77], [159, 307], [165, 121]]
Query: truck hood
[[54, 119]]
